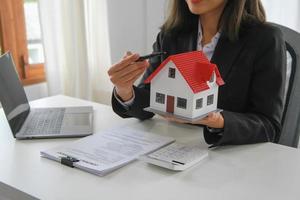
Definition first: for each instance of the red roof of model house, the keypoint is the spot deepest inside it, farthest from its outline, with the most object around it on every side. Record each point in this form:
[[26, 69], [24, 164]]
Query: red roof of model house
[[194, 67]]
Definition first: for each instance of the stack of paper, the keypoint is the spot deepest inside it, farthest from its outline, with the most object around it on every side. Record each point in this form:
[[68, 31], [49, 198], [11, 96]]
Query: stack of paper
[[106, 151], [177, 156]]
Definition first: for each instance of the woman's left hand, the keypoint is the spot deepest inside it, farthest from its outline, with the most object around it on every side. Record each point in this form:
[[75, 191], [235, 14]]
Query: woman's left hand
[[213, 120]]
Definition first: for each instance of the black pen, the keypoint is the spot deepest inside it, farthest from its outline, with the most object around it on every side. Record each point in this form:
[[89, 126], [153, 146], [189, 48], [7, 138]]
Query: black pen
[[150, 56]]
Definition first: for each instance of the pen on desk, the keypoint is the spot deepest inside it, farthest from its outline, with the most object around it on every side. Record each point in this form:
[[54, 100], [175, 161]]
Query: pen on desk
[[150, 56]]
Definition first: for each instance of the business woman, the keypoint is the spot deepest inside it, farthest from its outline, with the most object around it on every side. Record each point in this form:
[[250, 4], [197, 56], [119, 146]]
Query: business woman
[[249, 53]]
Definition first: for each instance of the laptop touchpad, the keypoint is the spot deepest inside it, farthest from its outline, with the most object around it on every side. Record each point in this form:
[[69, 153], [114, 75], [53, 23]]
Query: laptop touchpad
[[80, 119]]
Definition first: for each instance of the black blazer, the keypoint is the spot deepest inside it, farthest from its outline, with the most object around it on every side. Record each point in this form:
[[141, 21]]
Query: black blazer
[[253, 69]]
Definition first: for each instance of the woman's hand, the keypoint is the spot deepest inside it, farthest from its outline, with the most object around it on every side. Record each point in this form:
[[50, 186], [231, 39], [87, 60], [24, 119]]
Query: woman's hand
[[213, 120], [124, 73]]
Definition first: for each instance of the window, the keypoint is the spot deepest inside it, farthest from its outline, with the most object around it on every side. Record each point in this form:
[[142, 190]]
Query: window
[[17, 16], [181, 103], [160, 98], [171, 72], [199, 103], [211, 80], [34, 36], [210, 99]]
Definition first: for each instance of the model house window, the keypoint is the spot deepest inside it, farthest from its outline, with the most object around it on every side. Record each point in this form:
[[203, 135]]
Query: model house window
[[211, 80], [210, 99], [171, 72], [199, 103], [160, 98], [181, 103]]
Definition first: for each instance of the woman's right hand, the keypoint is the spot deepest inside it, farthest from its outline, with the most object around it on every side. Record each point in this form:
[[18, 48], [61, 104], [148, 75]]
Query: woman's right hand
[[124, 73]]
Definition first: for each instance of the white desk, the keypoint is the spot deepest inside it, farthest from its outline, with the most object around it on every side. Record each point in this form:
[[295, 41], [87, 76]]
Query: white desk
[[261, 171]]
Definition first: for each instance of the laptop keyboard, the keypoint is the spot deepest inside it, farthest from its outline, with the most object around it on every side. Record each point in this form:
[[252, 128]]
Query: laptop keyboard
[[45, 122]]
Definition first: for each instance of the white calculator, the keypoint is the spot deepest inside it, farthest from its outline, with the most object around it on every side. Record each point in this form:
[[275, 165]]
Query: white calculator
[[177, 156]]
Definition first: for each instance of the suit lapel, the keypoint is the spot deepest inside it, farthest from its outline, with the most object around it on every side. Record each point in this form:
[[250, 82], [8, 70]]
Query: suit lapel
[[225, 54], [187, 42]]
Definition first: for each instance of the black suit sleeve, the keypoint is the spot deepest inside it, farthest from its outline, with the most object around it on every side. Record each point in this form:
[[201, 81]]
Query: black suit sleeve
[[142, 91], [262, 120]]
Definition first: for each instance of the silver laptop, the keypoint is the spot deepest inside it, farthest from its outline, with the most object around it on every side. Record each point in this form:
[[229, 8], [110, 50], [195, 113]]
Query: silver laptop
[[26, 122]]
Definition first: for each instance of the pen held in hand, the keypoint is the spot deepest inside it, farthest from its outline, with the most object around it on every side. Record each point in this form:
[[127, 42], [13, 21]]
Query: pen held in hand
[[142, 58]]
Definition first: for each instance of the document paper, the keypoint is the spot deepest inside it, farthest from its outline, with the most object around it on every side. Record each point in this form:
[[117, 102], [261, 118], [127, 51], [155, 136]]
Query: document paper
[[111, 149], [177, 156]]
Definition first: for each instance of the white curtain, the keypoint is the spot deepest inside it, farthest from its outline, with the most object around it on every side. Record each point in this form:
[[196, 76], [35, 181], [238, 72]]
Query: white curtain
[[76, 44], [285, 12]]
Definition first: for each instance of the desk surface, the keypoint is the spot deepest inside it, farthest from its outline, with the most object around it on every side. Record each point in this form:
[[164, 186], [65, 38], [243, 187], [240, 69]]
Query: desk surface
[[260, 171]]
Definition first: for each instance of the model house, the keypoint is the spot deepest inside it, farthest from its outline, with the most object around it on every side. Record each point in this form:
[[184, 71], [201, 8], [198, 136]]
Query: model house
[[185, 85]]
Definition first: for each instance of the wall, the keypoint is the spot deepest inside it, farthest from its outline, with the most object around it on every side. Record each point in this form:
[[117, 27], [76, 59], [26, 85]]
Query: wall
[[133, 25], [155, 15], [283, 12], [126, 27], [36, 91]]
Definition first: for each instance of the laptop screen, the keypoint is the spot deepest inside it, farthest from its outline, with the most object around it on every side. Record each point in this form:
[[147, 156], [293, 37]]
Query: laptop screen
[[12, 94]]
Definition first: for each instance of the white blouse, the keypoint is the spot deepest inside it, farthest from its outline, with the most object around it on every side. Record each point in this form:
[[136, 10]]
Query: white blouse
[[209, 48]]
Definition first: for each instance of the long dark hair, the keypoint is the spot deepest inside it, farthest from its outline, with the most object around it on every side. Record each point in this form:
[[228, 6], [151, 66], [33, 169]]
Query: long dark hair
[[235, 13]]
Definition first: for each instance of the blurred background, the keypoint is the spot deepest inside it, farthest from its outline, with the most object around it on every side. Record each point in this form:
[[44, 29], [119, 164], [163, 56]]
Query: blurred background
[[66, 46]]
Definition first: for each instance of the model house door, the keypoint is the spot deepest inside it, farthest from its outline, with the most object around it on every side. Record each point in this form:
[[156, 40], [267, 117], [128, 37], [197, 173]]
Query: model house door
[[170, 104]]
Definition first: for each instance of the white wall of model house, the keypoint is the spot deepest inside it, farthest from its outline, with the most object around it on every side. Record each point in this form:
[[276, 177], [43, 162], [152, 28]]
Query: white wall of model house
[[214, 88], [178, 87]]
